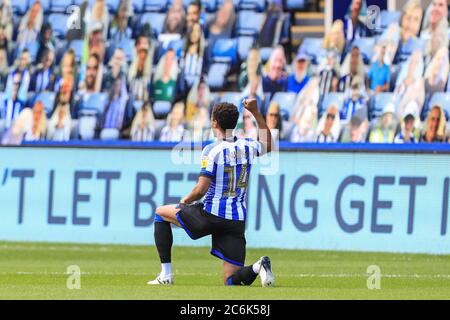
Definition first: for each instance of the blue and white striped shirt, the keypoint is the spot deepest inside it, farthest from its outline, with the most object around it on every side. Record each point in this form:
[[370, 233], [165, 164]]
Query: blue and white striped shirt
[[228, 164]]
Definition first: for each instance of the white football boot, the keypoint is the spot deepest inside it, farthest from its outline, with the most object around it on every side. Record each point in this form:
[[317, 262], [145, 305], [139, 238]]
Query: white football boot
[[265, 272], [160, 280]]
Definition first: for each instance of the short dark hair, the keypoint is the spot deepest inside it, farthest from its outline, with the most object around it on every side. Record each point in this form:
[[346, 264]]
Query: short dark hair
[[197, 3], [226, 114], [96, 57]]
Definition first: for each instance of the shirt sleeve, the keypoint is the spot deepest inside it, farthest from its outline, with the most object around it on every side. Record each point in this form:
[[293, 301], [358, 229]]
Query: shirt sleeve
[[208, 165], [258, 147]]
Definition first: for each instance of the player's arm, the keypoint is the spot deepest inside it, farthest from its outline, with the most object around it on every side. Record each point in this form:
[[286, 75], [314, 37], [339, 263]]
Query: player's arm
[[265, 137], [199, 190]]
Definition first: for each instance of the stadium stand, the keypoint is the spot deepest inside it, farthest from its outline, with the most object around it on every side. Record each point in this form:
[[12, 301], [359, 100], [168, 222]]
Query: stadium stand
[[145, 30]]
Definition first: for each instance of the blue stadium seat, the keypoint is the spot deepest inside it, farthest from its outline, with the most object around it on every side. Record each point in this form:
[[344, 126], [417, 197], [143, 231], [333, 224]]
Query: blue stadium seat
[[156, 21], [19, 7], [109, 134], [413, 45], [176, 45], [45, 5], [79, 2], [249, 22], [59, 24], [77, 46], [255, 5], [293, 5], [216, 75], [286, 100], [380, 101], [336, 98], [112, 5], [47, 98], [312, 47], [33, 48], [161, 108], [265, 53], [245, 43], [138, 6], [225, 50], [441, 99], [137, 105], [155, 5], [231, 97], [365, 46], [235, 3], [95, 102], [59, 6], [388, 17], [128, 47], [87, 124]]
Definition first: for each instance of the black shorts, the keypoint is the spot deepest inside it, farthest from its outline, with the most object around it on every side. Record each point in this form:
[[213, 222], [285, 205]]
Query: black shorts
[[228, 236]]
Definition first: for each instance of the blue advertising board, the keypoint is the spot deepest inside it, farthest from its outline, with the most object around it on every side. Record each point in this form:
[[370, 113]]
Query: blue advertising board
[[346, 200]]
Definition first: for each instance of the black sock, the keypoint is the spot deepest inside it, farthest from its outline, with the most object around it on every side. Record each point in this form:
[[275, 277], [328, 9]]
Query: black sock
[[164, 241], [244, 276]]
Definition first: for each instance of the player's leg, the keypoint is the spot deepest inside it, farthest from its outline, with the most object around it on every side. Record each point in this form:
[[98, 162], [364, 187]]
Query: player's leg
[[169, 213], [163, 241], [235, 275], [229, 244]]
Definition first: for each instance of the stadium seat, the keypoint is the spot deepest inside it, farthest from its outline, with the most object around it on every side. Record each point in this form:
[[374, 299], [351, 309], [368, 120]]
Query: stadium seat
[[77, 46], [156, 21], [59, 24], [412, 45], [245, 43], [33, 48], [109, 134], [138, 6], [249, 22], [177, 46], [112, 5], [19, 7], [231, 97], [216, 75], [294, 5], [95, 102], [286, 100], [58, 6], [155, 5], [161, 108], [336, 98], [137, 105], [441, 99], [255, 5], [389, 17], [235, 3], [45, 5], [47, 99], [312, 47], [224, 55], [225, 51], [127, 46], [87, 124], [265, 53], [365, 46], [379, 102]]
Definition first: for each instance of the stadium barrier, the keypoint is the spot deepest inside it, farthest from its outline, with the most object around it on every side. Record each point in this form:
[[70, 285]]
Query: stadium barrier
[[362, 197]]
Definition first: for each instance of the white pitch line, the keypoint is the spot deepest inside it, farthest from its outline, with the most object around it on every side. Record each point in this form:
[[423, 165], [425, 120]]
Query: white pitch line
[[299, 275]]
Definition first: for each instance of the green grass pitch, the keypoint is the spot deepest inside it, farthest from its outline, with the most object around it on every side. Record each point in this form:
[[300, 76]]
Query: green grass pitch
[[38, 271]]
